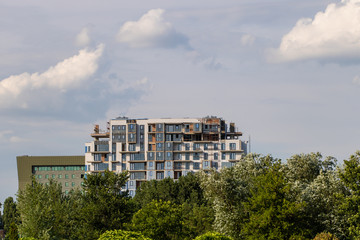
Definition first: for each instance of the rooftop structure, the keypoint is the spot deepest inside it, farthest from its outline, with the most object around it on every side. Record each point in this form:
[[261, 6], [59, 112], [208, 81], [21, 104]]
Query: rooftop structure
[[159, 148]]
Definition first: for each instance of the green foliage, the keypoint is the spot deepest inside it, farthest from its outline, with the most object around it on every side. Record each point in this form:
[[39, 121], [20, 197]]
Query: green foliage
[[230, 189], [197, 213], [106, 206], [122, 235], [13, 233], [350, 177], [10, 214], [213, 236], [306, 167], [273, 213], [325, 236], [159, 220], [46, 213]]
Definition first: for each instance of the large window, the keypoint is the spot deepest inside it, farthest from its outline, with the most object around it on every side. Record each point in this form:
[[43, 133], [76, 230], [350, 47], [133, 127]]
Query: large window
[[232, 146], [137, 166], [196, 166], [160, 175], [137, 175]]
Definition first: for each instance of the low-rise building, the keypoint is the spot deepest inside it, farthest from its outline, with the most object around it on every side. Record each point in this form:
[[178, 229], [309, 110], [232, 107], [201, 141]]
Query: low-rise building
[[66, 170]]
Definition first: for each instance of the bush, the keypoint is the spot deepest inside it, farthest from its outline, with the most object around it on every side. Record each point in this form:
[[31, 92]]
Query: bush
[[122, 235], [213, 236]]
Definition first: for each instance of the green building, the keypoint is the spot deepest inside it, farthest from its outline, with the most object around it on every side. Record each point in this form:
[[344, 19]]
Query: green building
[[67, 170]]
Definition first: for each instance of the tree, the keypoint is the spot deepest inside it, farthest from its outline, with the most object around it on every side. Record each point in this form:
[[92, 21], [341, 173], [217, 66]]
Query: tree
[[122, 235], [13, 233], [10, 213], [304, 168], [350, 176], [230, 189], [197, 213], [272, 211], [159, 220], [164, 190], [47, 213], [106, 206]]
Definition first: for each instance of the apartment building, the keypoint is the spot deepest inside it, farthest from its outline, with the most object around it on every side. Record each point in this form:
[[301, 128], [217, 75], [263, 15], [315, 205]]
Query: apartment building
[[159, 148]]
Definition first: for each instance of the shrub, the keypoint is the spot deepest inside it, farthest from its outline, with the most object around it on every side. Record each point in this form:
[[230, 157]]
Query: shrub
[[213, 236], [122, 235]]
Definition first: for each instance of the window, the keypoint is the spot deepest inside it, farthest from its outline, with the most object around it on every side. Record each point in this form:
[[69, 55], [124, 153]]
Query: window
[[187, 156], [168, 164], [131, 183], [66, 184], [39, 176], [206, 146], [73, 176], [159, 166], [132, 147], [47, 176], [196, 166], [216, 156], [60, 176], [232, 156], [159, 156], [206, 163], [187, 166], [232, 146], [159, 137], [187, 146], [168, 174], [206, 156], [196, 156], [196, 146], [223, 146], [66, 192], [53, 176], [159, 147], [137, 175], [159, 175], [151, 164], [223, 156], [73, 184]]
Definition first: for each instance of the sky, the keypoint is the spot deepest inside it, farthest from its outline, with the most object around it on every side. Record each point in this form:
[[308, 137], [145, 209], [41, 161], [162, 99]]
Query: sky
[[285, 72]]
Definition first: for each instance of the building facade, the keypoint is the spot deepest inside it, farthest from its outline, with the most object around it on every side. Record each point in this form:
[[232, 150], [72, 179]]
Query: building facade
[[67, 170], [159, 148]]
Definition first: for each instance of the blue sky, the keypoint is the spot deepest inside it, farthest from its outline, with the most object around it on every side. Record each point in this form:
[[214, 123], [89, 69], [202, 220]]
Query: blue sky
[[286, 72]]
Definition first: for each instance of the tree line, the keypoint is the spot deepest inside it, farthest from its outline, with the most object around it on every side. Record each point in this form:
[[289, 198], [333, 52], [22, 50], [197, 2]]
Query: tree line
[[261, 197]]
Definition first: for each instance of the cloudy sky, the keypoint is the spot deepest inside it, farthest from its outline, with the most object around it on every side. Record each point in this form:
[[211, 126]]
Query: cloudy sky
[[286, 72]]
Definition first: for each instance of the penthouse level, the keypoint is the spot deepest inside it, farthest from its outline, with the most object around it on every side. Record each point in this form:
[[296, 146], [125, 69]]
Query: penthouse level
[[159, 148]]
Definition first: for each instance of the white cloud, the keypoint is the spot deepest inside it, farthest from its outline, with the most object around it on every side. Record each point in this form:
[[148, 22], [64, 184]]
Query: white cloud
[[83, 39], [208, 62], [332, 34], [15, 91], [247, 40], [151, 30]]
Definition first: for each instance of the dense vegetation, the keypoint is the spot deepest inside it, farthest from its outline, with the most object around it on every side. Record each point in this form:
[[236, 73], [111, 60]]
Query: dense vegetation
[[308, 197]]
